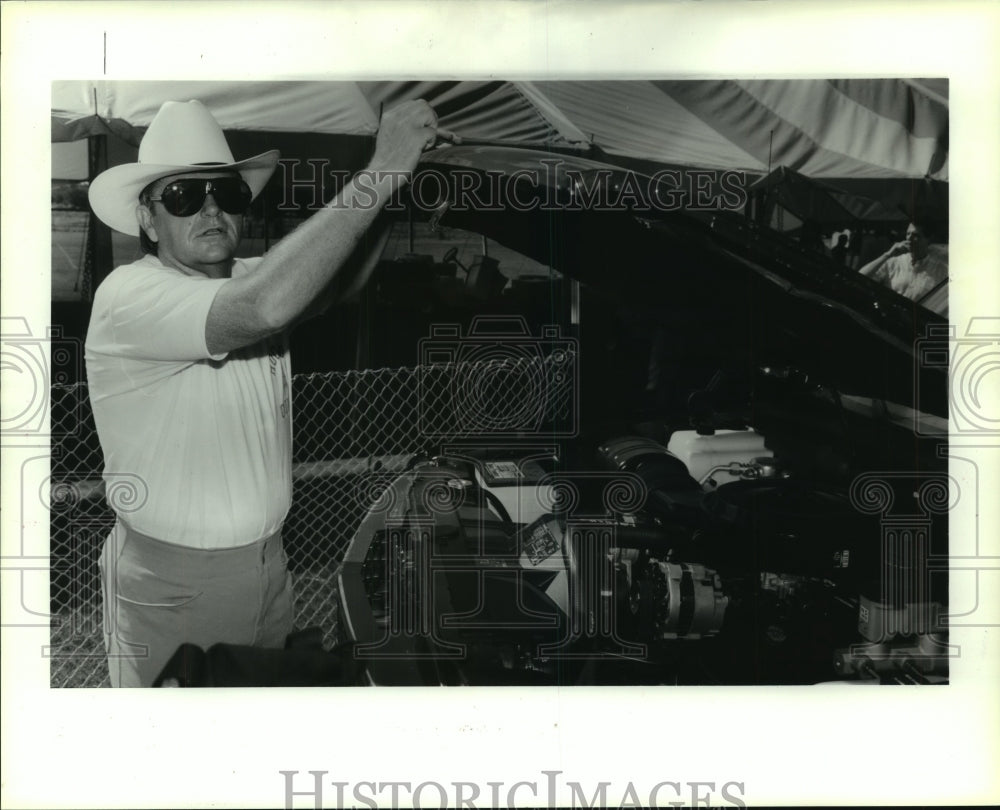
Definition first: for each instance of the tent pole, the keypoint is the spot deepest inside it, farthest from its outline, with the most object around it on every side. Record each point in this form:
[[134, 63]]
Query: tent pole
[[99, 257]]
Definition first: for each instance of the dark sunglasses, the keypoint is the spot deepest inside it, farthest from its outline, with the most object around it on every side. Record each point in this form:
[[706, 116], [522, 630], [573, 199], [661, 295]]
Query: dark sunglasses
[[184, 198]]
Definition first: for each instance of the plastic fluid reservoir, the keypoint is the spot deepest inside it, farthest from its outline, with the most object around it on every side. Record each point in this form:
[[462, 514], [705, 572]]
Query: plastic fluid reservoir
[[701, 453]]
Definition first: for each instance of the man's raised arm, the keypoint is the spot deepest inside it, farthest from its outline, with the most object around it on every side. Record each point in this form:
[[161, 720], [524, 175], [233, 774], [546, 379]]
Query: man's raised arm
[[303, 264], [876, 264]]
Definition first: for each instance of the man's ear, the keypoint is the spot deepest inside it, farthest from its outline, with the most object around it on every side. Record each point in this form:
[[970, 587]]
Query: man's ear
[[145, 219]]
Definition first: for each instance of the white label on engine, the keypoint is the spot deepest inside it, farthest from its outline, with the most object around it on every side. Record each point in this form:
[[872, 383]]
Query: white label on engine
[[541, 546], [503, 470]]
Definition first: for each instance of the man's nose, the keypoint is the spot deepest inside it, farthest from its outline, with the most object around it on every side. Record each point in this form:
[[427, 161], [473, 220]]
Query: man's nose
[[210, 207]]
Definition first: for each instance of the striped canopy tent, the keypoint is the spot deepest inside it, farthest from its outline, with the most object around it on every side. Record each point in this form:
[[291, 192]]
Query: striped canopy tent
[[852, 130]]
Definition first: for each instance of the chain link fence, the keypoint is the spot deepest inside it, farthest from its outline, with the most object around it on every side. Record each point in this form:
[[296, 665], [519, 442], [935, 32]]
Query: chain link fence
[[354, 432]]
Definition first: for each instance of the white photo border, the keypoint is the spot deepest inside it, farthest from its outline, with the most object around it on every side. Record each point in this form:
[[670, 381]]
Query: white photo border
[[109, 748]]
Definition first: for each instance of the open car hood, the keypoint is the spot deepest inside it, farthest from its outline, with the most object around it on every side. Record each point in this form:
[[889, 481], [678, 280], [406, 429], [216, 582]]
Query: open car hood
[[748, 294]]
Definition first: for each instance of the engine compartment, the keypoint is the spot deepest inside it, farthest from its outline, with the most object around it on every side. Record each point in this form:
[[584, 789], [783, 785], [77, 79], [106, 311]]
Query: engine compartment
[[728, 555]]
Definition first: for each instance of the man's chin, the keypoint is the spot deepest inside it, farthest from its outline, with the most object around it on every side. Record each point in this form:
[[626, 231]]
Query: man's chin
[[211, 263], [215, 252]]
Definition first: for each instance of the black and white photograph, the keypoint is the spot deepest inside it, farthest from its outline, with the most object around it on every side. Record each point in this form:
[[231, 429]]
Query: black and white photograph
[[606, 382], [656, 398]]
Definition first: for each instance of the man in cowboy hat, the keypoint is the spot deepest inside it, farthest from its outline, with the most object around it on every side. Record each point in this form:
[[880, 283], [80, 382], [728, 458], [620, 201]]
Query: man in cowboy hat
[[190, 379]]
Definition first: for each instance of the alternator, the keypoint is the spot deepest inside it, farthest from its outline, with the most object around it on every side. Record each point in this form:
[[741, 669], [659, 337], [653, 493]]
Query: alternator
[[694, 604]]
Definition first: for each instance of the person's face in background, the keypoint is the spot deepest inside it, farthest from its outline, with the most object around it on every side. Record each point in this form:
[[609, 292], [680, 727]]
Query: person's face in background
[[917, 241]]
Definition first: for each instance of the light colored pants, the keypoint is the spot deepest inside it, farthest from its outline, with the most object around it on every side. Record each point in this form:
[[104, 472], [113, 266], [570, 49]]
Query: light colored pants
[[160, 595]]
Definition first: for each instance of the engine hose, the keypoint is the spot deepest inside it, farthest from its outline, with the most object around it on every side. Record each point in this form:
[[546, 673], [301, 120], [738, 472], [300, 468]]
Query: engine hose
[[642, 538], [498, 507]]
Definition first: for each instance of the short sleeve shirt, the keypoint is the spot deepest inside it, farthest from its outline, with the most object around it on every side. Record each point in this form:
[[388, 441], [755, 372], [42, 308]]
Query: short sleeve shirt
[[915, 279], [197, 447]]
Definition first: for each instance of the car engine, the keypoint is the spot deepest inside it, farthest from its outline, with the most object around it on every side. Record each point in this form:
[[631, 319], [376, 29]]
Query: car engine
[[711, 559]]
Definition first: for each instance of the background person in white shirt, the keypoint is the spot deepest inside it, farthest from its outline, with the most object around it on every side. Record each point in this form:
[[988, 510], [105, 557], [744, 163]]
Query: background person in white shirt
[[913, 267]]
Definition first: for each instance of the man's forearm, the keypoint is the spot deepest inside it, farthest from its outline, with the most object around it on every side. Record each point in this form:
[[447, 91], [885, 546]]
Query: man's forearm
[[313, 257], [875, 264], [306, 262], [298, 269]]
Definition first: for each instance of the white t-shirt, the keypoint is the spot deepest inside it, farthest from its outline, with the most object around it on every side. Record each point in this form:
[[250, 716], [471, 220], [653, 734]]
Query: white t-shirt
[[209, 438], [916, 279]]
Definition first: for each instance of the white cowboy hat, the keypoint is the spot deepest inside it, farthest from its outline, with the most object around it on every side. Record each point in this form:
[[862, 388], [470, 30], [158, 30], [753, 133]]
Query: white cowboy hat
[[183, 137]]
